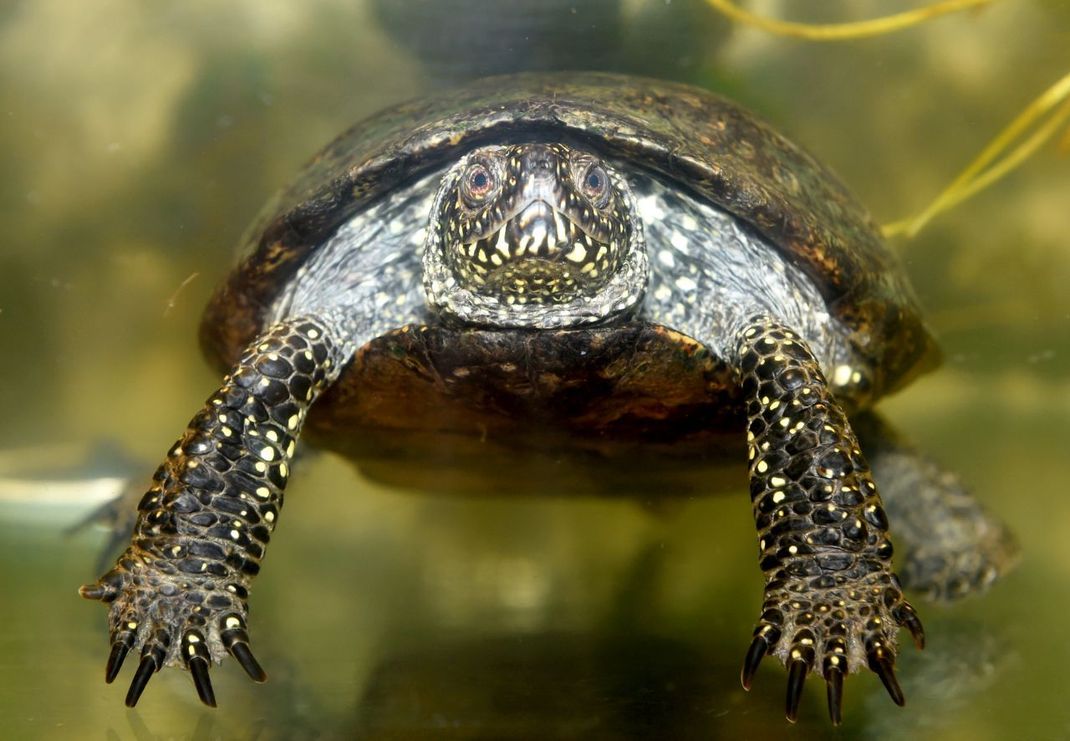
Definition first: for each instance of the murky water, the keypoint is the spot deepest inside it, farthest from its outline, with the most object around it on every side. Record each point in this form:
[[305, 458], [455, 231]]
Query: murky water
[[138, 142]]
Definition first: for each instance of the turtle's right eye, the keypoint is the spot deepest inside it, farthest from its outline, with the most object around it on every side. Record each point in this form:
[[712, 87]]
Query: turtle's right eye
[[477, 183]]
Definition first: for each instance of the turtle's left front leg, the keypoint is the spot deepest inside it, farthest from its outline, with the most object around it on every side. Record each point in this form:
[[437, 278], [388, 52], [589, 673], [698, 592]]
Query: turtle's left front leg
[[832, 603]]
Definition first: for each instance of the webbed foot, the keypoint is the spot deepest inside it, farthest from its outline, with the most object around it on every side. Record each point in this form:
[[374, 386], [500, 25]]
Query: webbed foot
[[172, 619], [834, 631]]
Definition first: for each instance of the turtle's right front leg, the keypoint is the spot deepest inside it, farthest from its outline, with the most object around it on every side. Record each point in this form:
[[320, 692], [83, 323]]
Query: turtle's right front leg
[[179, 592]]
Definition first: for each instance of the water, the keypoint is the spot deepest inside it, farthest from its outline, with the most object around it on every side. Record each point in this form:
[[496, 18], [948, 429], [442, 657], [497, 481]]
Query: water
[[138, 143]]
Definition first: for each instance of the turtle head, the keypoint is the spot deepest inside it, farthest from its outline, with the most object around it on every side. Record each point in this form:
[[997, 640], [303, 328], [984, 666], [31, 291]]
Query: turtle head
[[534, 235]]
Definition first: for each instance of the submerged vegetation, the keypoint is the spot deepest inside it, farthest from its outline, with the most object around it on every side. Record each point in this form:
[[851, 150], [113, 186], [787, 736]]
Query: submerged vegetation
[[1034, 127]]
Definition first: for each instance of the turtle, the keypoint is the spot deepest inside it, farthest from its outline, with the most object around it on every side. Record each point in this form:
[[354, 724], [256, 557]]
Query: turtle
[[594, 262]]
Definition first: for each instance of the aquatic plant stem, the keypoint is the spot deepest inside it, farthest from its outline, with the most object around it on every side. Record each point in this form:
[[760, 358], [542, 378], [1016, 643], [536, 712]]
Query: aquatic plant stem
[[845, 31], [976, 177]]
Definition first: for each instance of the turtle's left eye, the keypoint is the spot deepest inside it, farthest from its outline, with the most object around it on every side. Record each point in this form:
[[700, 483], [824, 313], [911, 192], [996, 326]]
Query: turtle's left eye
[[594, 183], [477, 183]]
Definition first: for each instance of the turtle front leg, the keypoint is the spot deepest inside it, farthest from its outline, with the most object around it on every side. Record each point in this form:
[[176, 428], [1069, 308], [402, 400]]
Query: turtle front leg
[[179, 592], [832, 603]]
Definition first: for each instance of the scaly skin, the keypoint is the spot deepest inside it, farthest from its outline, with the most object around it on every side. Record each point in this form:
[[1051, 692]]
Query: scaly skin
[[179, 592], [832, 603]]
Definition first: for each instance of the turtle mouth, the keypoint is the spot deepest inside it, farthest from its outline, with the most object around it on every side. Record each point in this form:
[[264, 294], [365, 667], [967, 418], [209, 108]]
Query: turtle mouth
[[539, 254]]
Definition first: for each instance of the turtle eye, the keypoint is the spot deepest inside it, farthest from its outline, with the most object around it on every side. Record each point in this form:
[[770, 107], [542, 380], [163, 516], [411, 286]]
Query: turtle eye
[[594, 183], [477, 183]]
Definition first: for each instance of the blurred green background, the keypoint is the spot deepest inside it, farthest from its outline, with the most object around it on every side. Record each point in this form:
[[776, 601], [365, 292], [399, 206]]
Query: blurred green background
[[137, 141]]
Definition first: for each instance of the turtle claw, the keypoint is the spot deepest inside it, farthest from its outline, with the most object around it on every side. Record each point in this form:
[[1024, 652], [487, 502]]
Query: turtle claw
[[244, 655], [152, 660], [122, 640], [834, 686], [236, 641], [797, 672], [106, 589], [907, 616], [198, 667], [92, 591], [198, 660], [144, 673], [115, 661], [882, 665], [759, 647]]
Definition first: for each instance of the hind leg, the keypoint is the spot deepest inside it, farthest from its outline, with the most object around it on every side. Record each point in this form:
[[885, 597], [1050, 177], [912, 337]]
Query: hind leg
[[949, 546]]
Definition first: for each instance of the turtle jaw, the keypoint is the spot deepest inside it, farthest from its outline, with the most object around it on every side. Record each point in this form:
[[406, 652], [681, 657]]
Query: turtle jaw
[[539, 255]]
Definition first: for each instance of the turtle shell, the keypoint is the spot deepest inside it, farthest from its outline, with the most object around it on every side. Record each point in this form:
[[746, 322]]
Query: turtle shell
[[627, 409], [706, 144]]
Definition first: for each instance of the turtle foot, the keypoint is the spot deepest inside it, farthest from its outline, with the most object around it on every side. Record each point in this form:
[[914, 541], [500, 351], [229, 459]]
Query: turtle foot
[[172, 620], [835, 631]]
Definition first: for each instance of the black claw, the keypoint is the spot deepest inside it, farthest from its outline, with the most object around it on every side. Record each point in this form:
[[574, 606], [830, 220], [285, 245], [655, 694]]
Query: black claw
[[115, 660], [884, 669], [145, 670], [834, 684], [92, 591], [909, 618], [103, 592], [796, 678], [757, 651], [105, 589], [198, 667], [236, 641], [241, 652]]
